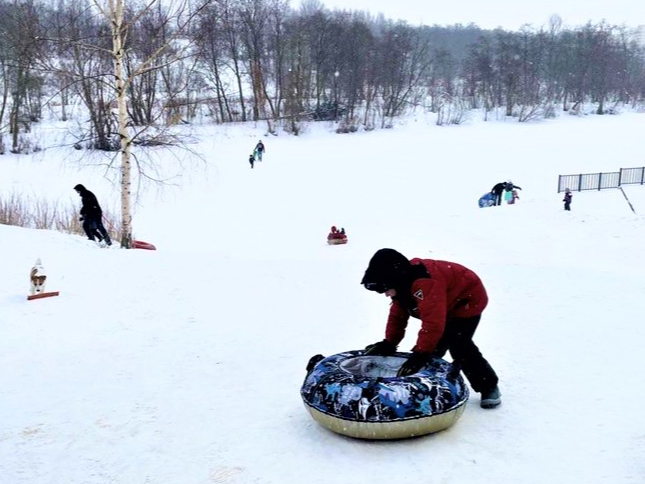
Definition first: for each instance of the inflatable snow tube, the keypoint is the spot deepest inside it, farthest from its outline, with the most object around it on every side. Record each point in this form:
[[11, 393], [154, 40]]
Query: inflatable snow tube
[[139, 244], [486, 200], [361, 396], [337, 241]]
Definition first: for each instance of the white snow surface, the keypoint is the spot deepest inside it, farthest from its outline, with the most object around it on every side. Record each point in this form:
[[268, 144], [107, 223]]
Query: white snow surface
[[183, 365]]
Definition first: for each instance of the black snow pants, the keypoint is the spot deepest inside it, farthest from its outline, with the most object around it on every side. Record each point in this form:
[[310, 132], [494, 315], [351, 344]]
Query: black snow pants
[[93, 227], [458, 339]]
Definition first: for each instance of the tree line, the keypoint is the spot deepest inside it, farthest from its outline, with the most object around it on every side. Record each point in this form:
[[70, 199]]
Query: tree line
[[136, 68], [242, 60]]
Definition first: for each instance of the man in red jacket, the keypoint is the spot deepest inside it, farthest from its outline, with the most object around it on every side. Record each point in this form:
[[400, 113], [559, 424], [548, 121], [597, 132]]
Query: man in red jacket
[[449, 299]]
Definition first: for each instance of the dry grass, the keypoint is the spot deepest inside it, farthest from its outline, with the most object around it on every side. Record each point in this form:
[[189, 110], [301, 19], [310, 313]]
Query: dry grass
[[42, 214]]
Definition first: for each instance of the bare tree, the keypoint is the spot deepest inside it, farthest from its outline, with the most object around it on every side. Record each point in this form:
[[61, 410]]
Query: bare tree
[[114, 12], [20, 31]]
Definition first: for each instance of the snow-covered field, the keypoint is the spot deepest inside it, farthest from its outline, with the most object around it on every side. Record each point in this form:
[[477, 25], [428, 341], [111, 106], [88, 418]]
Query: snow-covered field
[[183, 365]]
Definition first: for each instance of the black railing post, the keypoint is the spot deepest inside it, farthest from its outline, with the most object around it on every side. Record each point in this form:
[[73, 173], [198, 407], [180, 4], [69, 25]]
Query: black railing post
[[642, 174], [599, 180], [580, 182], [620, 176]]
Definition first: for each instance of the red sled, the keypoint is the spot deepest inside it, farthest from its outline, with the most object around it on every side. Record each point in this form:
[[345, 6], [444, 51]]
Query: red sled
[[42, 295], [139, 244], [337, 241]]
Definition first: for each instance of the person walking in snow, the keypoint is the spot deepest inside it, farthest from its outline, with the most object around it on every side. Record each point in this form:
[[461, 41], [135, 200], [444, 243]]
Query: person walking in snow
[[259, 150], [568, 196], [92, 216], [449, 300], [252, 159]]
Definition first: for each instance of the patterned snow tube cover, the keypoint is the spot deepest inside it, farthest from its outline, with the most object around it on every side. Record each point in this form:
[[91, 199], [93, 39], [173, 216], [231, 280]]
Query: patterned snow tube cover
[[361, 396]]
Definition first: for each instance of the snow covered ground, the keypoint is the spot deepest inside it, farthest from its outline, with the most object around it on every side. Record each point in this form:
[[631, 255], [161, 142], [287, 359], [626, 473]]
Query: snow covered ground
[[183, 365]]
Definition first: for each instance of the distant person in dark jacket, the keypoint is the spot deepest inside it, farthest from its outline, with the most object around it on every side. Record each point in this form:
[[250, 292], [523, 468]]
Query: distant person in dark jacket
[[92, 216], [259, 150], [568, 196], [252, 159], [497, 191]]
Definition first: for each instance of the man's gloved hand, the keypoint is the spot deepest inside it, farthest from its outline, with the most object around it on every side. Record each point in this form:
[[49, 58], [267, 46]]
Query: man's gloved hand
[[382, 348], [414, 363]]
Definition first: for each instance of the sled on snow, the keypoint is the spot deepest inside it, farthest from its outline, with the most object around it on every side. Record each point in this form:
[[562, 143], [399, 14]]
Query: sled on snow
[[337, 241], [139, 244], [487, 200], [42, 295]]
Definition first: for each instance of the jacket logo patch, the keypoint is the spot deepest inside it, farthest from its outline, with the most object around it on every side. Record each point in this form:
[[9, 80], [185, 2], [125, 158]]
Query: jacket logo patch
[[419, 294]]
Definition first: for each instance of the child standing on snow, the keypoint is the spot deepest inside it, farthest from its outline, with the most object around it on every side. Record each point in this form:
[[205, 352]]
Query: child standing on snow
[[252, 159], [567, 199], [512, 196]]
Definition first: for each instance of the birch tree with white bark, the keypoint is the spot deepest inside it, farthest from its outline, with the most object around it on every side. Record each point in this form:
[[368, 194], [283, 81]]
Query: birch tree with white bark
[[120, 20]]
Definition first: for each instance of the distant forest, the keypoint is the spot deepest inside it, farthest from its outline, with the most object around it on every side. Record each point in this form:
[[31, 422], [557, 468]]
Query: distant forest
[[225, 61]]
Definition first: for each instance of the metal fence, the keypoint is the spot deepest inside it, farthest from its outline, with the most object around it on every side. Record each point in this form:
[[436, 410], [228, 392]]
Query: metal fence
[[599, 181], [631, 176]]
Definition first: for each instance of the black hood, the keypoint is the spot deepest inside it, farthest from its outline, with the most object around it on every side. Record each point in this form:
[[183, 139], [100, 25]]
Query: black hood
[[390, 268], [80, 188]]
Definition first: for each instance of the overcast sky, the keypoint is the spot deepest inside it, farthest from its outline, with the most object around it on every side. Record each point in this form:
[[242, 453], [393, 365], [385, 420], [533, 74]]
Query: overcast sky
[[509, 14]]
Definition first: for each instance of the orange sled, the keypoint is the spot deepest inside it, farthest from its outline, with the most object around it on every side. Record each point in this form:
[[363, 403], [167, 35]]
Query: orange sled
[[42, 295], [139, 244]]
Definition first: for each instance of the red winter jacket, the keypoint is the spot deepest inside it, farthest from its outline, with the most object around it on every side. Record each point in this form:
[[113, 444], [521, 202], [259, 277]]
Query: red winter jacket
[[452, 291]]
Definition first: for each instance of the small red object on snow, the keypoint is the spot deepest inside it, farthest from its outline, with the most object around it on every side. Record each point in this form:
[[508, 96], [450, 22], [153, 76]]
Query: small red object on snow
[[336, 237], [42, 295], [139, 244]]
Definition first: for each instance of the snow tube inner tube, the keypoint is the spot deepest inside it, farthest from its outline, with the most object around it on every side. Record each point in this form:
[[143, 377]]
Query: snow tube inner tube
[[139, 244], [361, 396]]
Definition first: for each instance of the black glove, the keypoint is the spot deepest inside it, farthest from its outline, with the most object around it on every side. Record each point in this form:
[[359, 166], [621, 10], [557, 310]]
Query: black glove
[[414, 363], [382, 348], [313, 361]]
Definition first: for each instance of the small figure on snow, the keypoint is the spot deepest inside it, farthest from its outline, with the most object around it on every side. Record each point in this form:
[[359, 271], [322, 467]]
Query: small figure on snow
[[568, 196], [512, 196], [252, 159], [92, 216], [336, 236], [259, 150], [449, 300], [499, 189]]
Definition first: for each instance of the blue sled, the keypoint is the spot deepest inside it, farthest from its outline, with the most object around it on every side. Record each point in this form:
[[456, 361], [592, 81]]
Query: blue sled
[[487, 200]]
